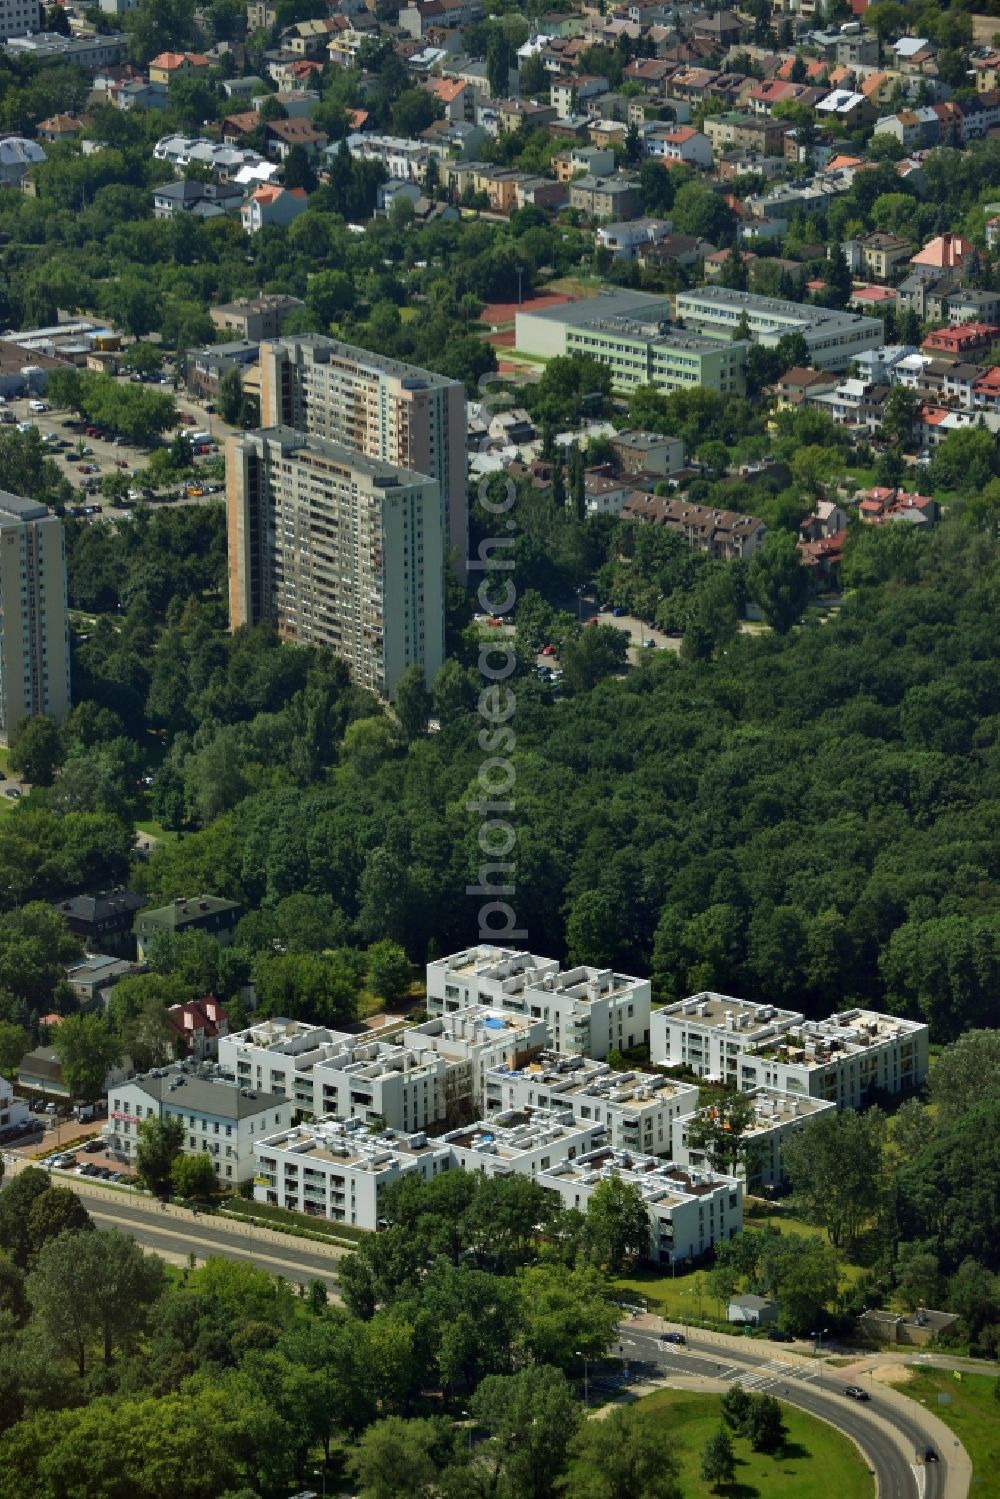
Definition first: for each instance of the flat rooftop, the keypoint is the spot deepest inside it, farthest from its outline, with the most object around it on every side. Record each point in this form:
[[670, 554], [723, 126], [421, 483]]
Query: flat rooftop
[[306, 446], [15, 509], [660, 1182], [348, 1143], [513, 1133], [815, 1043], [711, 1011], [325, 349], [203, 1089], [572, 1077], [772, 1108], [640, 305], [519, 972]]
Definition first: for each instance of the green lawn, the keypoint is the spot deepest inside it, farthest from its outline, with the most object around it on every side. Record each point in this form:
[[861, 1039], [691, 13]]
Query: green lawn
[[686, 1296], [787, 1223], [147, 825], [972, 1412], [817, 1462], [681, 1298]]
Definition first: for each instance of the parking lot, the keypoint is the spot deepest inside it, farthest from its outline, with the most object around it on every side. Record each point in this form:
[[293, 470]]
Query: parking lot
[[63, 436]]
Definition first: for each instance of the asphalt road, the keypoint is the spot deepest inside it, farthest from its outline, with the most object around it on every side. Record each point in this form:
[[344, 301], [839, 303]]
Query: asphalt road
[[176, 1239], [813, 1388]]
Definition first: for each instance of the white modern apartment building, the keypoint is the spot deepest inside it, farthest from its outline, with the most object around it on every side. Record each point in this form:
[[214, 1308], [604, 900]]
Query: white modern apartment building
[[640, 1110], [833, 338], [776, 1116], [221, 1119], [710, 1033], [427, 1074], [587, 1010], [473, 1042], [380, 406], [339, 550], [34, 634], [523, 1142], [338, 1169], [841, 1059], [689, 1211]]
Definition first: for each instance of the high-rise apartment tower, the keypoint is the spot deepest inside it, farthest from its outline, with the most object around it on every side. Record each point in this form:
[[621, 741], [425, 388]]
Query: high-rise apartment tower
[[338, 550], [34, 636], [389, 410]]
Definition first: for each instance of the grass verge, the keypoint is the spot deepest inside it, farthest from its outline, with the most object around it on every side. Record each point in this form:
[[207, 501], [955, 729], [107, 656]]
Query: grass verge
[[285, 1221], [817, 1460], [971, 1410]]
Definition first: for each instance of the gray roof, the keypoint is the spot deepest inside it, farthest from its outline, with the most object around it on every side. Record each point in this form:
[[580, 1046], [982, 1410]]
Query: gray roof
[[99, 907], [635, 304], [751, 1303], [15, 508], [204, 1095], [382, 473]]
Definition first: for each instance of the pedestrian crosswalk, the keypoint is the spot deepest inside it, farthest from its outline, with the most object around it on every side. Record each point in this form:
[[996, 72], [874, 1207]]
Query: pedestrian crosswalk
[[766, 1376]]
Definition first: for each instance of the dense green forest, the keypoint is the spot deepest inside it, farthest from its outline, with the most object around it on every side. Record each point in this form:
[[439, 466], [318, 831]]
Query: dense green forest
[[809, 818]]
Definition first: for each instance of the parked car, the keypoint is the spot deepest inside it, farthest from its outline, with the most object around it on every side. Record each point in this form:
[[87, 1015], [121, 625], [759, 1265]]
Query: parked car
[[548, 650], [93, 1146], [777, 1336], [618, 612], [12, 792], [855, 1392]]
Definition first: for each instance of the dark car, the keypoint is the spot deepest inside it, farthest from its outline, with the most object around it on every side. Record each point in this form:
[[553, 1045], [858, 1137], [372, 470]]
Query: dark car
[[673, 1337], [930, 1456], [855, 1392], [777, 1336]]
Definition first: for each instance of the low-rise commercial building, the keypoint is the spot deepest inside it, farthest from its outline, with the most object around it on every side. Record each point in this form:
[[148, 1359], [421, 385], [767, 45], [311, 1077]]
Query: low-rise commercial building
[[689, 1211], [87, 52], [221, 1119], [776, 1116], [588, 1010], [639, 1109], [833, 338], [633, 333]]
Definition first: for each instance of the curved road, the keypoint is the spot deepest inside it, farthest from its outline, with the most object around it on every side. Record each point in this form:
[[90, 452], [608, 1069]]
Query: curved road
[[890, 1439]]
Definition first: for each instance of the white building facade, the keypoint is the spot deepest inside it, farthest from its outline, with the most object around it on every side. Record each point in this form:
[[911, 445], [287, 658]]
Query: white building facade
[[689, 1211], [776, 1116], [587, 1010], [640, 1110], [842, 1059], [221, 1120]]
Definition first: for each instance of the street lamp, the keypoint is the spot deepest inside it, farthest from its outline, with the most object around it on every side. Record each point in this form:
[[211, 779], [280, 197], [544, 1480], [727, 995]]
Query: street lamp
[[468, 1417], [819, 1336], [320, 1473], [586, 1378]]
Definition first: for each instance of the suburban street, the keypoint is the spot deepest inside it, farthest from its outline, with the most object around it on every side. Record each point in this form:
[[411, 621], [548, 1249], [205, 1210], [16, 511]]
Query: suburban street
[[175, 1233], [892, 1432]]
